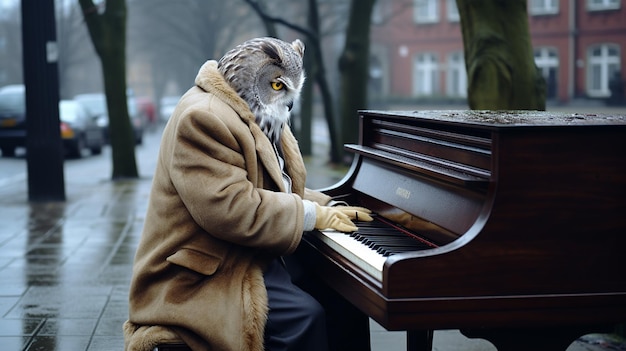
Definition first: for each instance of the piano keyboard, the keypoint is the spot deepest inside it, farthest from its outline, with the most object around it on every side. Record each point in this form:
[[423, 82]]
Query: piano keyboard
[[369, 247]]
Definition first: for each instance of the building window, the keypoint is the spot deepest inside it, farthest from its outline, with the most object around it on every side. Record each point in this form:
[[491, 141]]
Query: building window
[[453, 11], [547, 61], [425, 75], [602, 62], [377, 13], [456, 78], [376, 77], [600, 5], [543, 7], [426, 11]]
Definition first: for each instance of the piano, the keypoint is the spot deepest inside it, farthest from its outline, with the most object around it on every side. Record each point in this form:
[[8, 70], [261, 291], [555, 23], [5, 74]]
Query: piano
[[507, 225]]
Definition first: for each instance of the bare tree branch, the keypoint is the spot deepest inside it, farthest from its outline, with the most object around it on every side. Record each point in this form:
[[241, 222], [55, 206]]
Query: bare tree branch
[[265, 17]]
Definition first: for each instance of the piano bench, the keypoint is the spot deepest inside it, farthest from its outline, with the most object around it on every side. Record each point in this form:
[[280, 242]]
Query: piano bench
[[172, 347]]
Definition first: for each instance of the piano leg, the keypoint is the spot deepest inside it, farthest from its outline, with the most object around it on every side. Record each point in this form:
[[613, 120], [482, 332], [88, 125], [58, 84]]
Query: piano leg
[[419, 340], [539, 339]]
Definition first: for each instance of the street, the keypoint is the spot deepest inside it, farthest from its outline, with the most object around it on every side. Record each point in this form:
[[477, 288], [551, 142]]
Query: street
[[80, 171]]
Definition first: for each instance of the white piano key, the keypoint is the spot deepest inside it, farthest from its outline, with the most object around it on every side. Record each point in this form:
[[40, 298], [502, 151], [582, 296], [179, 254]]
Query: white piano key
[[362, 256]]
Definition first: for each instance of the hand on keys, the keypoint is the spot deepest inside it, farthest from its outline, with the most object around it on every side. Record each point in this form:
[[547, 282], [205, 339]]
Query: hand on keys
[[340, 218]]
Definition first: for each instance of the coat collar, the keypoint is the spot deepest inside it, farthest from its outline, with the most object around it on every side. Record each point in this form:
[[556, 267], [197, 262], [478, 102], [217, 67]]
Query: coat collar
[[211, 80]]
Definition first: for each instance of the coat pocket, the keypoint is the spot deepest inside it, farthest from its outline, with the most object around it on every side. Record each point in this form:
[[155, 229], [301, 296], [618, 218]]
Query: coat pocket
[[196, 261]]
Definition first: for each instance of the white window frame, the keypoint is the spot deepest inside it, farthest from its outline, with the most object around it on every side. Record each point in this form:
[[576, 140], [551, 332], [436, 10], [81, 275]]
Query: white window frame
[[600, 68], [426, 11], [456, 75], [543, 7], [452, 11], [377, 13], [544, 60], [602, 5], [426, 74]]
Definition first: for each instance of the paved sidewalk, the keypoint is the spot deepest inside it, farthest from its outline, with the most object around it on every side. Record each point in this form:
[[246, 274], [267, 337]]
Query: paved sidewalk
[[65, 266]]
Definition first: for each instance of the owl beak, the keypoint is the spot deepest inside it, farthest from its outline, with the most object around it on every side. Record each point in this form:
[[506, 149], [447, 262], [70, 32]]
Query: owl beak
[[289, 106]]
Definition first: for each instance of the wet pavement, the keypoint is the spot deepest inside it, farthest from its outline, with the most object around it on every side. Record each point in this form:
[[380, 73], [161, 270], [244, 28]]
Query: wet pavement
[[65, 267]]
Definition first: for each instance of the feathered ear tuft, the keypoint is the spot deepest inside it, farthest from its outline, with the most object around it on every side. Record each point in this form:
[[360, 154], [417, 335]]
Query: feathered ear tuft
[[298, 45]]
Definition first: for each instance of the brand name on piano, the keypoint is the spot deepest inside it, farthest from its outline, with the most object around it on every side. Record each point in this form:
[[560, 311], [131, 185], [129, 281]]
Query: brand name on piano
[[403, 193]]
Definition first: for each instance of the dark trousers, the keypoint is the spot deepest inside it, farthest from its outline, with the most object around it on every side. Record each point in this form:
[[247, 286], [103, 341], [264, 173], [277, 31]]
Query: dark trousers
[[346, 326], [296, 320]]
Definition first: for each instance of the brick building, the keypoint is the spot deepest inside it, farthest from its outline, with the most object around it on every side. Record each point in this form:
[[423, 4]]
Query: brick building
[[417, 48]]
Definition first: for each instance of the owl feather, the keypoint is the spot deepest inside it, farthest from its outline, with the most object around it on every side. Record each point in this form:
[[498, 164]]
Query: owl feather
[[267, 74]]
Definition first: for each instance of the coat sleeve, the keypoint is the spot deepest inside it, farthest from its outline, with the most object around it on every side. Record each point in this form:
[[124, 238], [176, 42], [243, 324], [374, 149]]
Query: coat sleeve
[[213, 166], [316, 196]]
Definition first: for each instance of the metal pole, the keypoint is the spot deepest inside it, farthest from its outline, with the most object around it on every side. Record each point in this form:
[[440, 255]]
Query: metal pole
[[44, 151]]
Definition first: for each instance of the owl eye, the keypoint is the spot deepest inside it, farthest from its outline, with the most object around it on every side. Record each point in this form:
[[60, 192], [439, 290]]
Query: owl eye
[[277, 86]]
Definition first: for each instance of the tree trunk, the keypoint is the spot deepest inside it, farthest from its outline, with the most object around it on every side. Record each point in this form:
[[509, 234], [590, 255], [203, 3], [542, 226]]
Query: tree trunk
[[319, 75], [354, 69], [329, 109], [310, 67], [108, 34], [501, 70]]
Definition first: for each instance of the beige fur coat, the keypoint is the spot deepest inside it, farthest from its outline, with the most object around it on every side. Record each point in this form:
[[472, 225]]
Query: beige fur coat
[[217, 213]]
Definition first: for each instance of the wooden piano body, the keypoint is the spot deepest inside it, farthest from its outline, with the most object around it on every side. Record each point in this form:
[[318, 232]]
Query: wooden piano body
[[527, 211]]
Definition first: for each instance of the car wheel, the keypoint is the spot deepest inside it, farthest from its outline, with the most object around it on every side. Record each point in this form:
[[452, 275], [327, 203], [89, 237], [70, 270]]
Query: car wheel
[[96, 150], [8, 151], [75, 148]]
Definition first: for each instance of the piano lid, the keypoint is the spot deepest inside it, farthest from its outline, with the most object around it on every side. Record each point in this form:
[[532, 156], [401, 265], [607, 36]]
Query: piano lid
[[494, 119]]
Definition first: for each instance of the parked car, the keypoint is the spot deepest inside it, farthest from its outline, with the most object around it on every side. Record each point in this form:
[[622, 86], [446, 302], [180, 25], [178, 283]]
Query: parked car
[[96, 105], [168, 103], [12, 119], [79, 130], [147, 109]]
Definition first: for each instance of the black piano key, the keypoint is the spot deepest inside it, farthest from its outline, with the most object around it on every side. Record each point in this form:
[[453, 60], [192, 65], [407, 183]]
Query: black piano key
[[385, 239]]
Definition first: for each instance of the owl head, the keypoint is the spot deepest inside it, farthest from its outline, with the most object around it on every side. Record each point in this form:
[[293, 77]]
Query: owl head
[[266, 73]]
